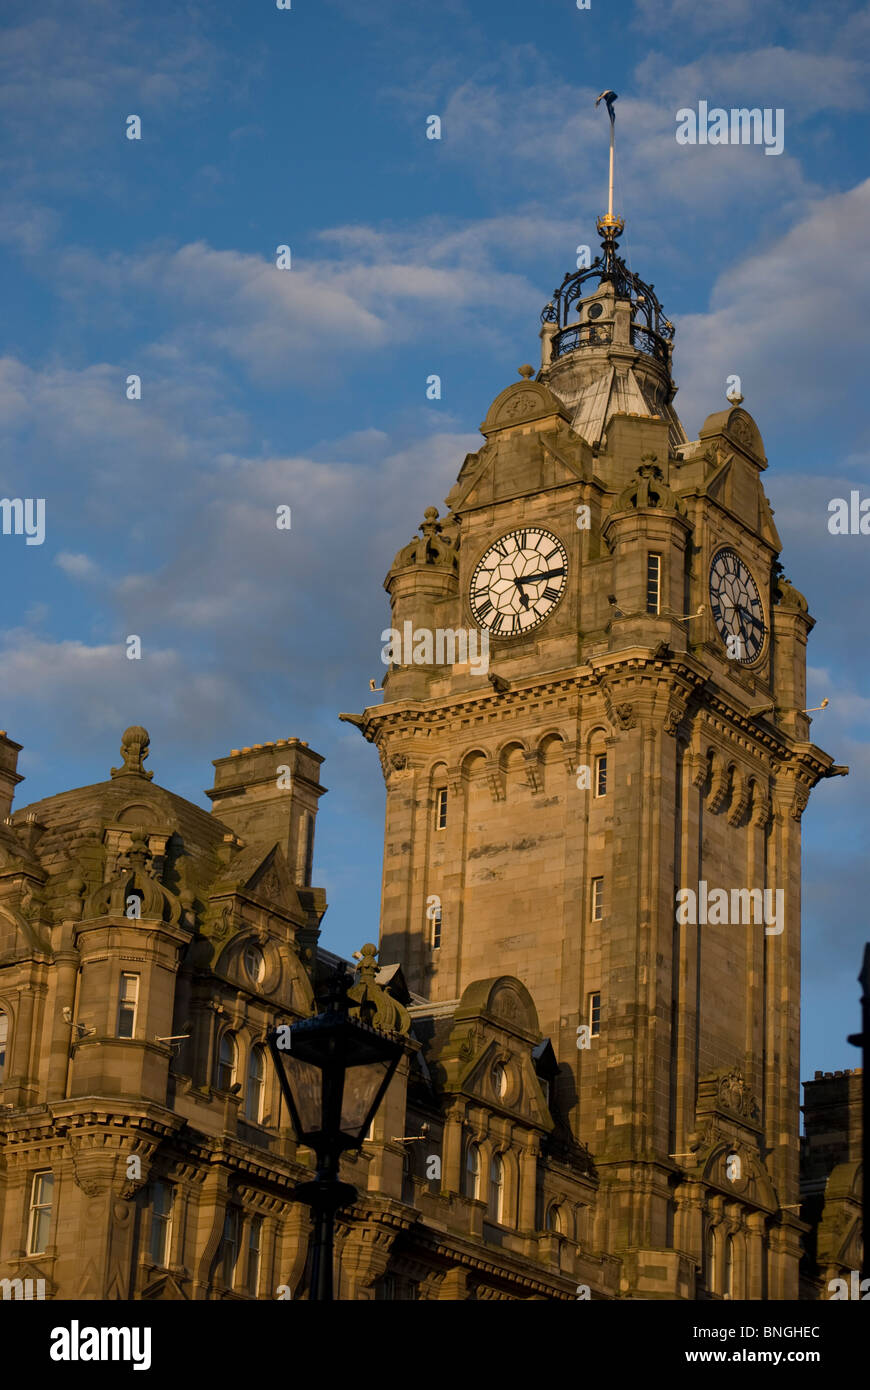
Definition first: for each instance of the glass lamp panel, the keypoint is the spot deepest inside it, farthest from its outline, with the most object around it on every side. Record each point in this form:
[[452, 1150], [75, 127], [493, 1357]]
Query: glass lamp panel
[[306, 1087], [361, 1086]]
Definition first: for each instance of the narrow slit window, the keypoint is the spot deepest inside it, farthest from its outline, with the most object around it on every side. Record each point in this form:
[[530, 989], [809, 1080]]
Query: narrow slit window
[[653, 583], [595, 1014], [441, 808], [128, 1002], [41, 1199], [254, 1233], [161, 1223], [228, 1059], [436, 927], [597, 899], [601, 774], [256, 1085], [230, 1252]]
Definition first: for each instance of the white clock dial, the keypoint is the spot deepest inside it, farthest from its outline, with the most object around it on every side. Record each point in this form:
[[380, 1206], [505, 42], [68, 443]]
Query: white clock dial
[[518, 581], [737, 606]]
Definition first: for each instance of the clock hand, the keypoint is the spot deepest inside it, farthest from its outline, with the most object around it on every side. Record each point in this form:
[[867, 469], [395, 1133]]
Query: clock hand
[[751, 616], [533, 578]]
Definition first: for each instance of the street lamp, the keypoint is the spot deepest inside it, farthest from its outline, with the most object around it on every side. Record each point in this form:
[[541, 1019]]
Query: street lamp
[[333, 1070]]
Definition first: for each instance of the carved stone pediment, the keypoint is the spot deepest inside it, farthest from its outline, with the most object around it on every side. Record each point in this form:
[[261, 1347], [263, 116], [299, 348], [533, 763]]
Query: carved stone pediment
[[727, 1093]]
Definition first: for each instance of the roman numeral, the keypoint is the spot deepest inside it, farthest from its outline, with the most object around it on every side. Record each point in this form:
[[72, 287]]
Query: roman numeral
[[501, 548], [517, 623], [551, 593], [497, 622], [557, 551], [484, 608]]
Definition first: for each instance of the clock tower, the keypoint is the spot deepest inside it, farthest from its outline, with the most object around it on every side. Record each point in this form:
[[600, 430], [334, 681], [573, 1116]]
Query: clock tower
[[597, 756]]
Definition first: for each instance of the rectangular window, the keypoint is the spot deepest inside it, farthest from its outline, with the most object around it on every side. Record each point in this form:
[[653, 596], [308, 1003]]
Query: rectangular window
[[128, 998], [441, 809], [230, 1246], [436, 927], [41, 1198], [597, 899], [161, 1223], [254, 1232], [653, 582], [594, 1014], [4, 1039], [601, 774]]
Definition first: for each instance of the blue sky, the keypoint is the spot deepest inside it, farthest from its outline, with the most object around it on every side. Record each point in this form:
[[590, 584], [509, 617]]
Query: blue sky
[[307, 127]]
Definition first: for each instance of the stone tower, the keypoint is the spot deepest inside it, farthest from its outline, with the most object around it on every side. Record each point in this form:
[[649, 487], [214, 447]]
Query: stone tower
[[633, 738]]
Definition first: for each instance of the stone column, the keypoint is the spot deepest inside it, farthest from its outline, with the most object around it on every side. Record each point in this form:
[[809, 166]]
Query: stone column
[[451, 1154], [528, 1167]]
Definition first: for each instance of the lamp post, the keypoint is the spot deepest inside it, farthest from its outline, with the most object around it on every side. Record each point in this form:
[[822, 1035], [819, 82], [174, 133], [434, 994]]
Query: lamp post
[[333, 1070]]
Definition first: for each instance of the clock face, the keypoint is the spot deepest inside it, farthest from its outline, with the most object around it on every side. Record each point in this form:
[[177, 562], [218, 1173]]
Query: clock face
[[518, 581], [737, 606]]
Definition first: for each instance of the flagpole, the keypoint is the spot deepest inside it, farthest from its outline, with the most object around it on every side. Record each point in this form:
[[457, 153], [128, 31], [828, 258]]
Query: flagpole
[[610, 191]]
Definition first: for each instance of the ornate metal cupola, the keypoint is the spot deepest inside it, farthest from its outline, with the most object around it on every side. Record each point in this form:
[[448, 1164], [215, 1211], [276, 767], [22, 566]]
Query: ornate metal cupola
[[606, 343]]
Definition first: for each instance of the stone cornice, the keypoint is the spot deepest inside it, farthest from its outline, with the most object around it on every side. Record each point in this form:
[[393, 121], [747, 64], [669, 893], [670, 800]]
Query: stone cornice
[[418, 718], [455, 1249]]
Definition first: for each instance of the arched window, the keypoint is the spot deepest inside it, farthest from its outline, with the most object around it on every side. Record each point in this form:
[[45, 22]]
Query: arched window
[[709, 1259], [228, 1057], [255, 1231], [256, 1085], [472, 1171], [230, 1246], [4, 1039], [555, 1221], [496, 1189], [729, 1267]]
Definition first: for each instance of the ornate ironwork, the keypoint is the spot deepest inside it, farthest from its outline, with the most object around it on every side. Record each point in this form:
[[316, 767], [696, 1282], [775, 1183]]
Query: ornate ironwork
[[582, 335], [651, 331], [646, 341]]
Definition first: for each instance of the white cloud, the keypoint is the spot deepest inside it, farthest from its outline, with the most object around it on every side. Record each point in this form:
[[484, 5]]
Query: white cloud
[[77, 566], [789, 320], [803, 83]]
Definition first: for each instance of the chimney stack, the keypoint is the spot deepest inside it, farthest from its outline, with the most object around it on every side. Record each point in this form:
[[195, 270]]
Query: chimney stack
[[269, 793]]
